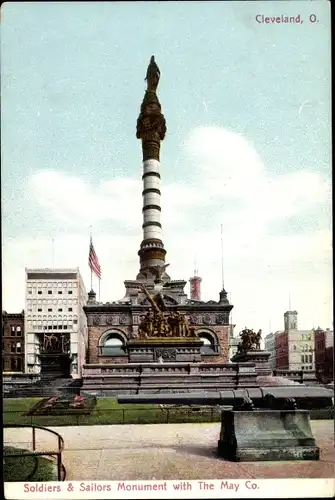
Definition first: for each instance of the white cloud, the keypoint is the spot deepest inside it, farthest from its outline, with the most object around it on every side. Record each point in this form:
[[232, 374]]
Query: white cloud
[[230, 186]]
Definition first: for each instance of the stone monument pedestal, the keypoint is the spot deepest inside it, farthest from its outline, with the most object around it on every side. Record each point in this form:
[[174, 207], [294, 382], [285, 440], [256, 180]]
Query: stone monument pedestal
[[266, 435], [164, 349], [260, 358]]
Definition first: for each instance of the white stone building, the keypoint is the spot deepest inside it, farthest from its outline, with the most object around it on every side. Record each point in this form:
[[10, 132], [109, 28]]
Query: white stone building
[[301, 350], [54, 303]]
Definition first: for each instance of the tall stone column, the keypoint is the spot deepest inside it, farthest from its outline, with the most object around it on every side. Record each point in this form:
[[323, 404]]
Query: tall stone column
[[151, 129]]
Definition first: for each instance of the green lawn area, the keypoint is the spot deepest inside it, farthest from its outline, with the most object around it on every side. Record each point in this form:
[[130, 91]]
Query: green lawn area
[[108, 411], [21, 468]]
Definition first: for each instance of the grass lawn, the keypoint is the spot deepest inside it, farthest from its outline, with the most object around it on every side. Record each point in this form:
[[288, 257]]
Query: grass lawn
[[21, 468], [108, 411]]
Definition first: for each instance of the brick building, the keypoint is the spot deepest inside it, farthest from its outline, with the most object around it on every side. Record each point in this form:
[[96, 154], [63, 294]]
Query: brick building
[[294, 348], [13, 342], [324, 354], [111, 325], [281, 350]]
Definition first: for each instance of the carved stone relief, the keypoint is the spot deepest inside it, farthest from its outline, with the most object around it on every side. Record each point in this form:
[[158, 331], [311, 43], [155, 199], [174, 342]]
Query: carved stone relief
[[110, 320], [123, 319], [166, 354], [96, 320]]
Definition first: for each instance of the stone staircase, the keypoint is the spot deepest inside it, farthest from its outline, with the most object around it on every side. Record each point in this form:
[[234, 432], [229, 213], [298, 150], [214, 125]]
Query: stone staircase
[[47, 386]]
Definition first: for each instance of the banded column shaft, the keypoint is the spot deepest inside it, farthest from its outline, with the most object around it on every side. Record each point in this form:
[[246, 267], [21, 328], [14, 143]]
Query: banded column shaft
[[152, 228], [152, 252]]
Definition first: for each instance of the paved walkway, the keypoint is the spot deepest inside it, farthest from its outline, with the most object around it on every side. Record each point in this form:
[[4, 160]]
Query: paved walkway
[[170, 451]]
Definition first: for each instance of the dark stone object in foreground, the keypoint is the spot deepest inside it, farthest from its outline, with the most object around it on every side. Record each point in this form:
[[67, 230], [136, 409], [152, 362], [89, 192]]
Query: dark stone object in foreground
[[266, 435]]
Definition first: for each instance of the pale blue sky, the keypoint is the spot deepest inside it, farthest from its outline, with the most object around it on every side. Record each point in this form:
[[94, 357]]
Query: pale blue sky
[[73, 80]]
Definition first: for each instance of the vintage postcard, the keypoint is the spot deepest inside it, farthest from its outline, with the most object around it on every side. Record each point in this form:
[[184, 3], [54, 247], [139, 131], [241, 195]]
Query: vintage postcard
[[167, 296]]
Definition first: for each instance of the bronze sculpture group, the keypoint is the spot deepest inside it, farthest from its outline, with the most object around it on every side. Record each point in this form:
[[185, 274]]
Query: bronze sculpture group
[[56, 343], [158, 322], [250, 340]]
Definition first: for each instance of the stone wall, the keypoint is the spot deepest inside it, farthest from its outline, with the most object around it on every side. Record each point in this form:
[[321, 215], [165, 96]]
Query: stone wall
[[135, 378], [96, 332], [222, 332], [94, 335]]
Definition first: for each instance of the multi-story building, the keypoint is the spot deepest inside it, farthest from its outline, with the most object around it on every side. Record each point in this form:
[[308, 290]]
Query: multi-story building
[[13, 342], [294, 348], [270, 346], [324, 354], [55, 323]]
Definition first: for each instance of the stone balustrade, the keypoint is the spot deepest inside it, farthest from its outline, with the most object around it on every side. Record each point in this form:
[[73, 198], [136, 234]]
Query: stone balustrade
[[132, 378]]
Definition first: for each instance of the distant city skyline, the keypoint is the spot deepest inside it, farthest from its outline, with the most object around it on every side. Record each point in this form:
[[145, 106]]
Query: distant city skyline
[[248, 147]]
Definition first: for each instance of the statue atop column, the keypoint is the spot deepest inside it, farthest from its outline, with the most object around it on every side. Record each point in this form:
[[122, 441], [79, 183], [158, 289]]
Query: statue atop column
[[151, 125], [153, 75]]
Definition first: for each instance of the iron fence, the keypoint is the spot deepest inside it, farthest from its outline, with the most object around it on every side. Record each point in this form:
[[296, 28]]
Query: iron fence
[[124, 416], [61, 471], [117, 416]]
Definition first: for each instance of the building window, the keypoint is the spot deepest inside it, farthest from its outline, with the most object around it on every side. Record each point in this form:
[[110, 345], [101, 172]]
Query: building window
[[113, 344], [75, 321], [49, 292], [30, 292], [70, 292], [49, 327], [50, 310], [16, 364], [39, 310], [60, 310], [210, 345], [60, 327], [64, 327], [12, 331], [70, 309], [60, 292], [39, 292]]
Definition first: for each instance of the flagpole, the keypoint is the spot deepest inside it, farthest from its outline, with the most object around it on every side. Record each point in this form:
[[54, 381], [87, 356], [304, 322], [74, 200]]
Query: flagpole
[[99, 288], [90, 250], [53, 252], [222, 275]]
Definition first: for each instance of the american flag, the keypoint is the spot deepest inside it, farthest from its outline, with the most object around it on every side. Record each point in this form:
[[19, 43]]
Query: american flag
[[93, 261]]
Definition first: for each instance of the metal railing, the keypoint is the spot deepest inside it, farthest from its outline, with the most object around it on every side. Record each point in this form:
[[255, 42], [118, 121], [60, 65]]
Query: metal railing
[[61, 471], [124, 416], [118, 416]]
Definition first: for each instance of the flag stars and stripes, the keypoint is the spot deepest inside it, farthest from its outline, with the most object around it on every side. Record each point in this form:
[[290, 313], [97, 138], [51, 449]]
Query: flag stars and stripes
[[93, 261]]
